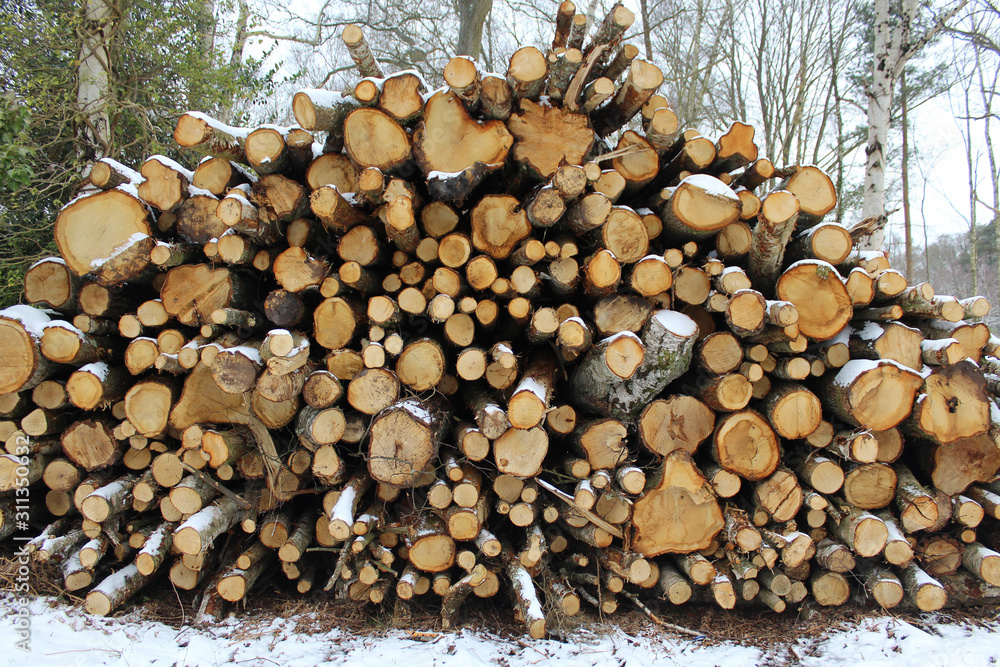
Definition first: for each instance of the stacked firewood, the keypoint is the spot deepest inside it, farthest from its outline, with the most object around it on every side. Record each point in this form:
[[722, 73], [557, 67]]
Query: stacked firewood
[[522, 333]]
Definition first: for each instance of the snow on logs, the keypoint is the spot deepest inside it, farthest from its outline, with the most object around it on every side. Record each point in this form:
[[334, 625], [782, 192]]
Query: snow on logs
[[518, 333]]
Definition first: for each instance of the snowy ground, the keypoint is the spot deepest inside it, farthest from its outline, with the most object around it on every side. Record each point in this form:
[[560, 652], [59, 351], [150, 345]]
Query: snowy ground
[[63, 636]]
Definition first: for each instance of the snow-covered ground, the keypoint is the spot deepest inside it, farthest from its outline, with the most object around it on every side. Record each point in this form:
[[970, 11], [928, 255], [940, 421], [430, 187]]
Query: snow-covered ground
[[63, 637]]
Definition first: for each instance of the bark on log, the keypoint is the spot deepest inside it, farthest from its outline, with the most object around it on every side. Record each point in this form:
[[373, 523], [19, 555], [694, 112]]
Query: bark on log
[[668, 341]]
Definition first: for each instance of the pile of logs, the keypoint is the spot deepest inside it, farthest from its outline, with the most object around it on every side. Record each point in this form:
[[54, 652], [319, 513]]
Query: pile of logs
[[522, 333]]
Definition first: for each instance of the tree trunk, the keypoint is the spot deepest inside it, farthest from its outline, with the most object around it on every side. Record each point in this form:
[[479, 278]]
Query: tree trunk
[[893, 48], [472, 15], [94, 94]]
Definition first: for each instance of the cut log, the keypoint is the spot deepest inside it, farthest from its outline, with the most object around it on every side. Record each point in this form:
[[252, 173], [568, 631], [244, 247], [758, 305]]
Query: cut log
[[877, 395], [829, 588], [778, 214], [191, 293], [639, 164], [207, 135], [148, 405], [779, 495], [199, 531], [679, 513], [430, 547], [203, 402], [642, 81], [404, 442], [198, 220], [792, 410], [982, 562], [819, 295], [525, 597], [952, 404], [547, 137], [50, 282], [498, 225], [939, 555], [668, 341], [955, 466], [236, 583], [24, 366], [91, 445], [699, 207], [530, 401], [115, 590], [109, 500], [526, 72], [521, 452], [924, 591], [357, 46], [677, 422], [448, 139], [869, 485], [374, 139], [744, 443], [815, 191], [864, 533], [882, 583], [917, 507]]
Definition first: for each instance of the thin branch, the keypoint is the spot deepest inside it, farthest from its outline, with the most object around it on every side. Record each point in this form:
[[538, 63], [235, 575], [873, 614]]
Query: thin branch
[[914, 47]]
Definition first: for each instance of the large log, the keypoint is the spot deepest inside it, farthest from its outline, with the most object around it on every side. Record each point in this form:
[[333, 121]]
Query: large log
[[547, 137], [668, 340], [678, 513], [21, 360], [819, 295], [405, 438], [449, 140], [117, 249], [873, 394]]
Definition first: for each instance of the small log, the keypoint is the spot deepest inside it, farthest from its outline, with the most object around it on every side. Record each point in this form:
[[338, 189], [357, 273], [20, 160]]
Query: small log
[[779, 212], [923, 590], [882, 583], [200, 530], [115, 590]]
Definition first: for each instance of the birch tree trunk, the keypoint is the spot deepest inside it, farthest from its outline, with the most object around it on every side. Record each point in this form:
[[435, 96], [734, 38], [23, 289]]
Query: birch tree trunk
[[893, 48], [94, 96], [206, 27]]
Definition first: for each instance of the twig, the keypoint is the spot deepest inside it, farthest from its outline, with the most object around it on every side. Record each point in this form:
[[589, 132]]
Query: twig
[[568, 499], [660, 622], [242, 504]]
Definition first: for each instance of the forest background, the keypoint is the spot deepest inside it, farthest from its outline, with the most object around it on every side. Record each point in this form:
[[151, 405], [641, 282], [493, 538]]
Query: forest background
[[897, 100]]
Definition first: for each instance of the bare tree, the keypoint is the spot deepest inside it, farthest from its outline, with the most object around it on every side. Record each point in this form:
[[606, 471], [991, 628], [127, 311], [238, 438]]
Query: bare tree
[[989, 61]]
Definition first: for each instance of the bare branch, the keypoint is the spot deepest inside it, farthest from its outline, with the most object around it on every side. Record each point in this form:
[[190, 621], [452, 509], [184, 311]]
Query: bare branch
[[909, 50]]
